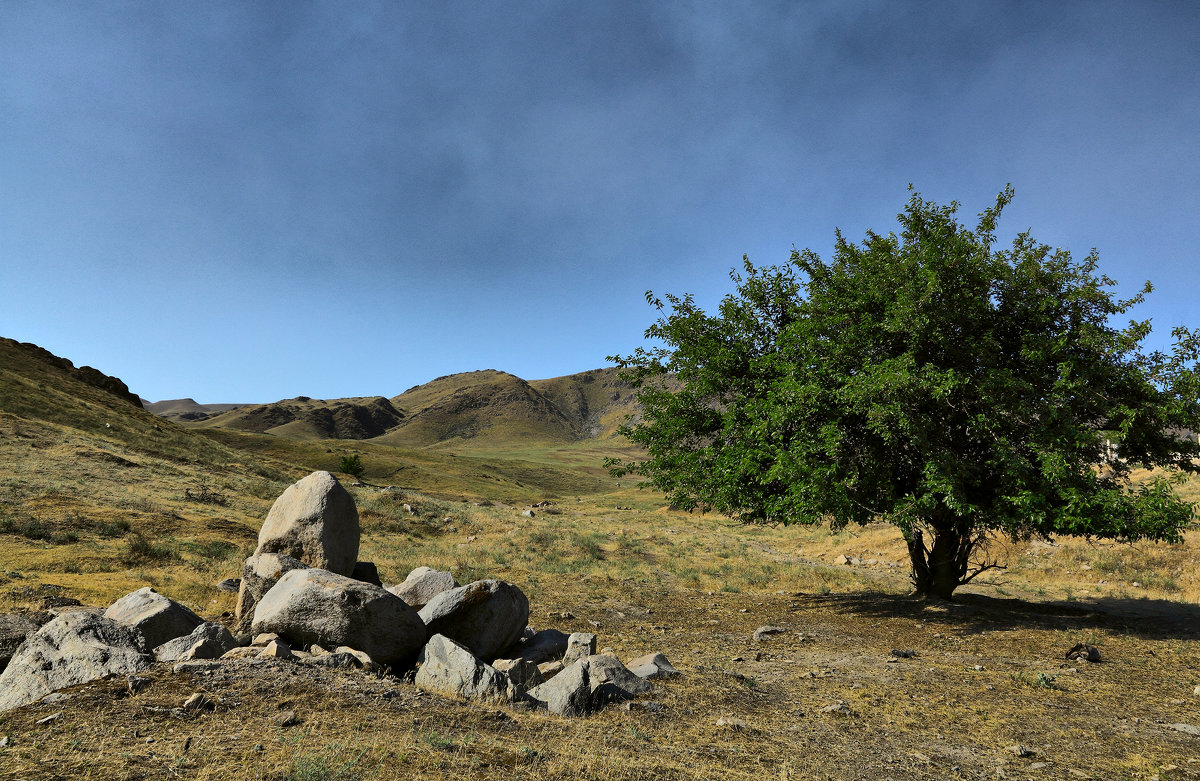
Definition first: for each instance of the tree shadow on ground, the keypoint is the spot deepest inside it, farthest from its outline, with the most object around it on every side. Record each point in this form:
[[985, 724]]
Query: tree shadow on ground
[[1155, 619]]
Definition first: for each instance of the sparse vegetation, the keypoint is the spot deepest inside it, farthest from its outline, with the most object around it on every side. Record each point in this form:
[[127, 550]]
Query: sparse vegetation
[[352, 465]]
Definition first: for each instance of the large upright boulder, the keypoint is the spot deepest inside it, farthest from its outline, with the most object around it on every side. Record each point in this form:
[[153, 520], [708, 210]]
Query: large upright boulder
[[311, 606], [158, 618], [315, 521], [259, 574], [74, 648], [486, 616]]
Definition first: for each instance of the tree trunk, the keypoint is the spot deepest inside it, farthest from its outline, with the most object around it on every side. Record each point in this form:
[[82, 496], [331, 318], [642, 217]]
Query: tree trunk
[[943, 567]]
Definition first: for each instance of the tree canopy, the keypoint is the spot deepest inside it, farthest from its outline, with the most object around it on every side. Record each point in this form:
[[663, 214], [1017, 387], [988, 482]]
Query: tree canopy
[[925, 379]]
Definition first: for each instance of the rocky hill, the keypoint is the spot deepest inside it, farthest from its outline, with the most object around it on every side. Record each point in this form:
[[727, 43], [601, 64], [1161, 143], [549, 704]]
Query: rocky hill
[[481, 406], [306, 418], [187, 409]]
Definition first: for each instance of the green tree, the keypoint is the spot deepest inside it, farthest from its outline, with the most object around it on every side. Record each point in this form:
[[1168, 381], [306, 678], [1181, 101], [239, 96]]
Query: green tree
[[353, 466], [926, 380]]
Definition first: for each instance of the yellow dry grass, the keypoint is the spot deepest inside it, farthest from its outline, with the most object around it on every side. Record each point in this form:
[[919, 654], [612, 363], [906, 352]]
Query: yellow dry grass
[[988, 673]]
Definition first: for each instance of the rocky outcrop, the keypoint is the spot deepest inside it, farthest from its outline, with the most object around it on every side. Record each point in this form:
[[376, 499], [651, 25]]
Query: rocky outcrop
[[311, 606], [422, 585], [74, 648], [486, 616], [158, 618], [451, 668], [316, 522]]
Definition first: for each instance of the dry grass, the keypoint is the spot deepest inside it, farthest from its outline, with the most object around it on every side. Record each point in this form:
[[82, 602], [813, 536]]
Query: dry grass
[[642, 577]]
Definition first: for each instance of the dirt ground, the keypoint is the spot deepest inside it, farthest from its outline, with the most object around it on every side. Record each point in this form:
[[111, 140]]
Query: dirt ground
[[986, 693]]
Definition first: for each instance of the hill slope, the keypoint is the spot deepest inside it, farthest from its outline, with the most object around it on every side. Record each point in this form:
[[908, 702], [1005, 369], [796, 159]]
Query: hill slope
[[305, 418], [187, 409], [489, 408]]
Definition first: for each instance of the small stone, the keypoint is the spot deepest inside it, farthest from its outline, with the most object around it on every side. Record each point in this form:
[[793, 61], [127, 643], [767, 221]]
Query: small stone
[[286, 718], [550, 669], [50, 699], [1196, 691], [1190, 729], [278, 649], [732, 723], [1038, 765], [53, 717], [1021, 751], [258, 747], [900, 654], [230, 585], [766, 631], [649, 706], [264, 639], [136, 683], [978, 668], [195, 702], [4, 741], [1084, 652], [838, 708]]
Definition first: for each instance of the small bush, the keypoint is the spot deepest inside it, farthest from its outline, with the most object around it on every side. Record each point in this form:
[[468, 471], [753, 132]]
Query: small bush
[[353, 466], [205, 494], [140, 550], [118, 528]]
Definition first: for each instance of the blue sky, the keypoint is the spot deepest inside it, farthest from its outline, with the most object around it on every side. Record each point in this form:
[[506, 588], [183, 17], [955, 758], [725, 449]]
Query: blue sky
[[250, 201]]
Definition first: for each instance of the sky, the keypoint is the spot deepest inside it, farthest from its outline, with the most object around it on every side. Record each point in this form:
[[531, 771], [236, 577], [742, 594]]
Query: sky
[[249, 201]]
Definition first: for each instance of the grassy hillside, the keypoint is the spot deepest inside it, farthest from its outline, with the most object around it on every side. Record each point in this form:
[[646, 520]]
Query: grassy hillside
[[305, 418], [98, 498], [181, 410]]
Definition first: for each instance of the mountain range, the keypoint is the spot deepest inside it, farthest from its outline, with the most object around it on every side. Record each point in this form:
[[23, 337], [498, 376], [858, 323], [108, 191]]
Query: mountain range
[[485, 407]]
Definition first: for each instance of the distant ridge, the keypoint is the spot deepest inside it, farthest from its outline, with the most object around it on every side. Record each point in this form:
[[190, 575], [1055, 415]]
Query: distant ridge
[[305, 418], [187, 409], [483, 406]]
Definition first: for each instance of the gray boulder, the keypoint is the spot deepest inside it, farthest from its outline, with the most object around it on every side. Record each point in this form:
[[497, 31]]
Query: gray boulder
[[522, 672], [207, 641], [72, 649], [587, 685], [567, 694], [652, 666], [311, 606], [367, 572], [580, 645], [612, 681], [486, 616], [422, 585], [158, 618], [547, 645], [315, 521], [14, 628], [259, 574], [451, 668]]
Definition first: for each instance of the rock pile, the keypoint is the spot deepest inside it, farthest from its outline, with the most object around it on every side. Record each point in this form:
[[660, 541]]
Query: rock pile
[[305, 598]]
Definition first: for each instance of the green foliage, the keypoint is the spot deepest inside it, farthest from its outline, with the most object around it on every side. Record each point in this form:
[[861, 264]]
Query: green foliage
[[141, 550], [352, 465], [925, 379]]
